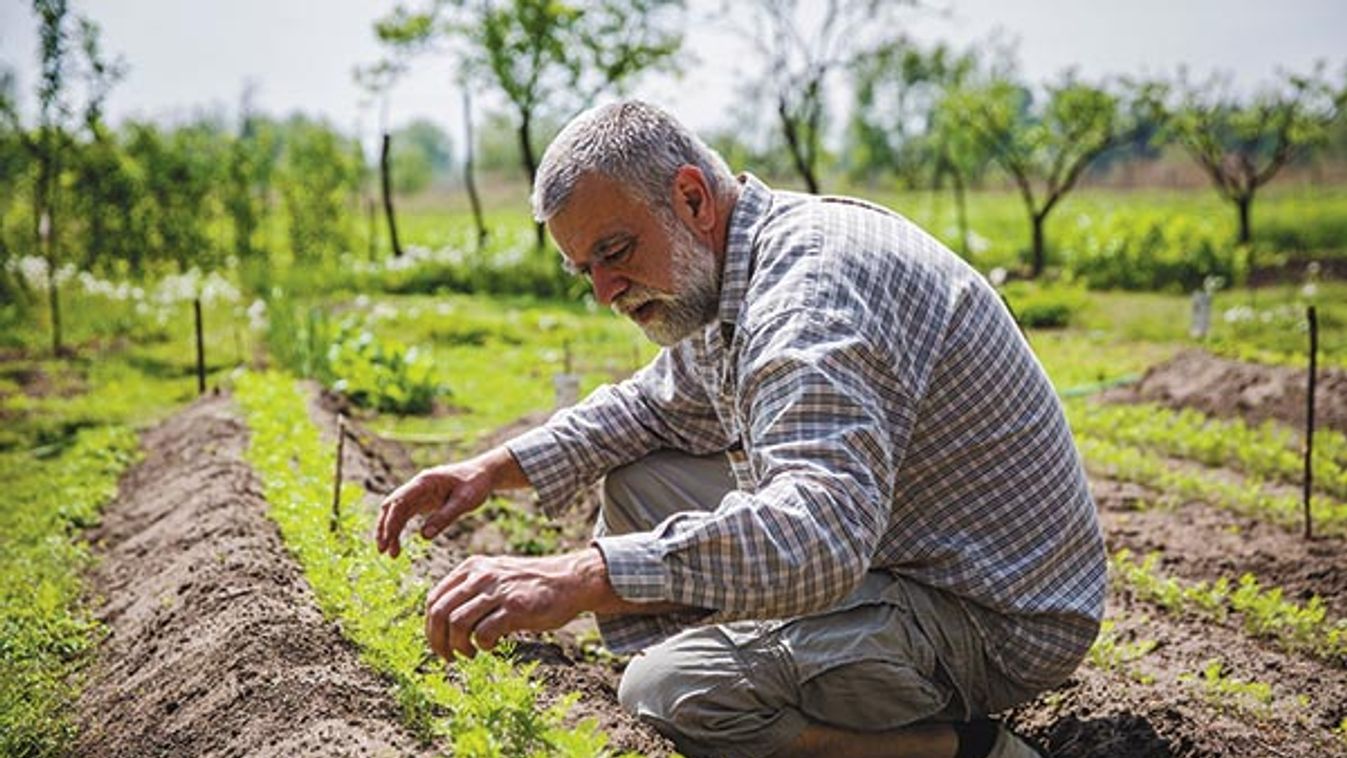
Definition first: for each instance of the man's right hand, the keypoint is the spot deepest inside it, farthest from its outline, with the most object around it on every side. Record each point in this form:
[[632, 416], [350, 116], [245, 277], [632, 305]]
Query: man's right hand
[[443, 494]]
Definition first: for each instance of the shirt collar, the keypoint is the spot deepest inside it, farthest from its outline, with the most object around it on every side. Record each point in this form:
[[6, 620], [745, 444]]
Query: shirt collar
[[750, 211]]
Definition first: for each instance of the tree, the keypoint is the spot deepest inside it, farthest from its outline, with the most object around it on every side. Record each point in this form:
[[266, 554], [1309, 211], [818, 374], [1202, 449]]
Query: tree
[[53, 134], [549, 57], [800, 56], [320, 173], [253, 155], [1241, 145], [1042, 144], [378, 81]]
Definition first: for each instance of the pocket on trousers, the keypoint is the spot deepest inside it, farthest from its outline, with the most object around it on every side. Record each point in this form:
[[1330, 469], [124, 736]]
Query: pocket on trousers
[[871, 695]]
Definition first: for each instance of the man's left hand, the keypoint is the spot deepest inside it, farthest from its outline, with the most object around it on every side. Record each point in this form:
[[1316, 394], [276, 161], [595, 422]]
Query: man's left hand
[[485, 598]]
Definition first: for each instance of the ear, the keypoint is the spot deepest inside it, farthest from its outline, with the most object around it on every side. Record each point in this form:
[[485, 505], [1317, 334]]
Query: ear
[[692, 200]]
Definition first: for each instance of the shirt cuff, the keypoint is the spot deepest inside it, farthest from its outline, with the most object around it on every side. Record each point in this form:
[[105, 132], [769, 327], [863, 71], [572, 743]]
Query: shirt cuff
[[636, 567], [545, 465]]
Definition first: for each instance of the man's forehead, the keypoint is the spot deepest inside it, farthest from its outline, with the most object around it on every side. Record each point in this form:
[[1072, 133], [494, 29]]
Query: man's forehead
[[599, 212]]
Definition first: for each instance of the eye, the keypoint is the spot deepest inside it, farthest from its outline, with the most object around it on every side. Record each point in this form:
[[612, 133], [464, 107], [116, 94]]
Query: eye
[[617, 255]]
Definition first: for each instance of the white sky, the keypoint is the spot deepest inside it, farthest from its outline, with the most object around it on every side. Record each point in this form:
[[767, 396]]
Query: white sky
[[188, 55]]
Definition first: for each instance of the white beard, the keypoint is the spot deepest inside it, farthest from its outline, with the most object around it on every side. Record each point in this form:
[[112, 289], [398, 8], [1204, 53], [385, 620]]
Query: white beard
[[696, 296]]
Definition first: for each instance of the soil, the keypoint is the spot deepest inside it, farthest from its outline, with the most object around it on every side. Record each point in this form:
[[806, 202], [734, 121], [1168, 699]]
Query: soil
[[1229, 388], [214, 644], [1143, 709]]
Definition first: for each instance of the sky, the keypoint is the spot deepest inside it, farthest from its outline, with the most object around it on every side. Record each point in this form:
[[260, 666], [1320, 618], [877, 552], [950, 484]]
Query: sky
[[189, 56]]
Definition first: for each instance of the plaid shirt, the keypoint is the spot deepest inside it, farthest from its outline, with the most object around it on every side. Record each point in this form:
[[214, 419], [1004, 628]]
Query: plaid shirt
[[890, 415]]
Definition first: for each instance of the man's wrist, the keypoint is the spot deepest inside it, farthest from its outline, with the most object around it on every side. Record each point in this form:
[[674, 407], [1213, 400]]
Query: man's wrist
[[503, 471]]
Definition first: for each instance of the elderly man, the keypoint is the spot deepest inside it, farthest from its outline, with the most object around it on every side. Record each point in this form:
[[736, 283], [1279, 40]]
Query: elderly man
[[843, 514]]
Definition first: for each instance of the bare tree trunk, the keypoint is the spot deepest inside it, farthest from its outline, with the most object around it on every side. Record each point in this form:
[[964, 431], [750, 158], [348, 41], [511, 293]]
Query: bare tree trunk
[[792, 135], [531, 168], [1245, 202], [1037, 263], [384, 172], [469, 173]]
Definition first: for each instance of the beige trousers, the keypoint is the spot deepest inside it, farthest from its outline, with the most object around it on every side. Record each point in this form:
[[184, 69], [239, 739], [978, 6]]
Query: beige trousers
[[894, 653]]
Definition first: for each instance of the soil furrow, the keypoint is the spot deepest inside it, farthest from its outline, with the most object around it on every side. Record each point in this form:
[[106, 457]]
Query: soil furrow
[[214, 645]]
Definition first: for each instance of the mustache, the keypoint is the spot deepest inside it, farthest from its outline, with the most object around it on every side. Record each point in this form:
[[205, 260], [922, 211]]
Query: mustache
[[636, 296]]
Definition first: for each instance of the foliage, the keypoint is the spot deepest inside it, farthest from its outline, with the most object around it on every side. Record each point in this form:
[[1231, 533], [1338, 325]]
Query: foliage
[[321, 175], [1109, 653], [421, 155], [1241, 145], [1044, 307], [1263, 612], [1249, 497], [1151, 251], [1268, 449], [379, 373], [525, 533], [44, 629], [374, 371], [1246, 694], [1043, 144], [488, 707]]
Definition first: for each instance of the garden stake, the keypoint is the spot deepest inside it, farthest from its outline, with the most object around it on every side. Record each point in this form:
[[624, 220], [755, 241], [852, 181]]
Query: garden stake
[[336, 476], [1309, 419], [200, 350]]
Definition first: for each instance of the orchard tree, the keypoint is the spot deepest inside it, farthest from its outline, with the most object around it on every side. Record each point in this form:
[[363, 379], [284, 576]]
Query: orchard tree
[[378, 80], [802, 47], [1242, 144], [548, 57], [253, 155], [1043, 144], [409, 33], [320, 174], [51, 140]]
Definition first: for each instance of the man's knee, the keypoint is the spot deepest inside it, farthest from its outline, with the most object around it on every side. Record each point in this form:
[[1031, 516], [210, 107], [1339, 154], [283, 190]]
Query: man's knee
[[711, 696]]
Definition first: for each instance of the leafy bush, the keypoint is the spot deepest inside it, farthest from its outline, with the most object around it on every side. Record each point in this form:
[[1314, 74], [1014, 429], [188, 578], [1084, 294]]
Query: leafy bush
[[379, 373], [1149, 251], [374, 372], [1044, 307]]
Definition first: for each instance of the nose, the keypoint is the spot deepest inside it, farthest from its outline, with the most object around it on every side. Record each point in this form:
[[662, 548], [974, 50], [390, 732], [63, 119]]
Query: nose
[[607, 285]]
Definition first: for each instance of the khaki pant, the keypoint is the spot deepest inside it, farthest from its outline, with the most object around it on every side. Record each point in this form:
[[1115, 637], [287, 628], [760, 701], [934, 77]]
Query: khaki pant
[[894, 653]]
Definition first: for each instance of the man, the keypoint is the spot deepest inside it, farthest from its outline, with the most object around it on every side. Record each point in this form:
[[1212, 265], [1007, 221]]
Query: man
[[843, 514]]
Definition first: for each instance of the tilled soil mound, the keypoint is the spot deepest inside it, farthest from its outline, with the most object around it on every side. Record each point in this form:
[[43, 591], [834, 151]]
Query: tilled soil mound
[[214, 645], [1229, 388], [1156, 706]]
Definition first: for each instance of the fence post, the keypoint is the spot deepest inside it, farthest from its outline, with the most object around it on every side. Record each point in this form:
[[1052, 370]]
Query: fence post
[[200, 350], [336, 476], [1309, 420]]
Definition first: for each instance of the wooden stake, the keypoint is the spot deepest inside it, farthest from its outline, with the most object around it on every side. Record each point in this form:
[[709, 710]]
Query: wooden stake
[[200, 350], [1309, 419], [333, 525]]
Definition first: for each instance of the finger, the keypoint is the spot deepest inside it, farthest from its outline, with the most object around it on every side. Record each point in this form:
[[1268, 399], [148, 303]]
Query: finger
[[392, 517], [459, 502], [464, 619], [496, 624], [461, 573], [438, 608]]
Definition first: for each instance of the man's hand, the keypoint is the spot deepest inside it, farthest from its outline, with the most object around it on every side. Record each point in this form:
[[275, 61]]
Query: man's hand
[[485, 598], [445, 493]]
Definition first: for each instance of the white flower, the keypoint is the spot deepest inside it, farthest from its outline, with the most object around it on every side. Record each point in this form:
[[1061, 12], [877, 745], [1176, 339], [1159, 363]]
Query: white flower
[[997, 276]]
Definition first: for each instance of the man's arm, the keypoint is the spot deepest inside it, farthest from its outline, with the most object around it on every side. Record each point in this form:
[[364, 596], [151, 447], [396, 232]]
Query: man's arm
[[444, 494], [485, 598]]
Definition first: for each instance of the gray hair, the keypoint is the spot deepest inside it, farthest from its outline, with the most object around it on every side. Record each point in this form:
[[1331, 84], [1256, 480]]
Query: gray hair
[[632, 142]]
